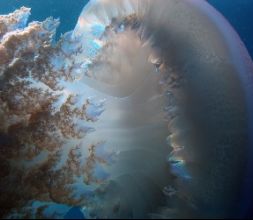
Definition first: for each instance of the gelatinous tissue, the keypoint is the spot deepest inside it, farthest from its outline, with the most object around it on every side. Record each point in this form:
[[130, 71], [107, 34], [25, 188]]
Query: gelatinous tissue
[[143, 111]]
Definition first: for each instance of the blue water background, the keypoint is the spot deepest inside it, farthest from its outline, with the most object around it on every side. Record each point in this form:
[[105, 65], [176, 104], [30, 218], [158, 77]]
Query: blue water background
[[67, 10]]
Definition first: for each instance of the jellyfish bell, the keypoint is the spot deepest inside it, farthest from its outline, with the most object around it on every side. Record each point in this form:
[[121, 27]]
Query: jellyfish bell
[[143, 111], [205, 68]]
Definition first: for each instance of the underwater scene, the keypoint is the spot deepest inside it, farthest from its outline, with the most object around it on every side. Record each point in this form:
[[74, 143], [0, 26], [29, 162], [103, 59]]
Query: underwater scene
[[126, 109]]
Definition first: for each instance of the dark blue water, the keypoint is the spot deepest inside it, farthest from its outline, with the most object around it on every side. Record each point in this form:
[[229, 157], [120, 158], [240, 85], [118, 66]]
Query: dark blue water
[[238, 12], [67, 10], [74, 213]]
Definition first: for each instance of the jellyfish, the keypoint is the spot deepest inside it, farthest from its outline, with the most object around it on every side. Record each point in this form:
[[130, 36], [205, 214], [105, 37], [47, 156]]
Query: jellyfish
[[142, 111]]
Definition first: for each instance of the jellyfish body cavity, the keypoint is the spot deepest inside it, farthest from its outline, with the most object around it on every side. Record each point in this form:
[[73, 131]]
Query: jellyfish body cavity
[[143, 111], [175, 71]]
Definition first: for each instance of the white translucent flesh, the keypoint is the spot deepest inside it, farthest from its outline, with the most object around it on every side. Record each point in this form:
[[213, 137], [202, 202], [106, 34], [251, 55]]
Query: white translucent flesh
[[165, 106], [133, 123]]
